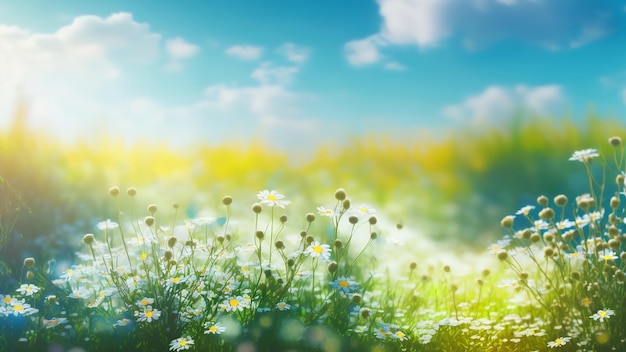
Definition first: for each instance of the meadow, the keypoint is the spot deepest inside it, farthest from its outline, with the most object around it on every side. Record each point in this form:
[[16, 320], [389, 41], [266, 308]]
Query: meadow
[[508, 238]]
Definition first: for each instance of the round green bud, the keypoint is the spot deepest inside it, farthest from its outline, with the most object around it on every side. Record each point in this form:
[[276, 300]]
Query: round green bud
[[340, 194], [560, 200], [310, 217], [168, 255], [171, 242], [257, 208], [615, 202], [259, 234], [283, 218], [507, 222], [29, 262], [131, 192], [152, 208], [88, 239], [546, 214], [228, 200], [542, 200], [615, 141], [372, 220], [149, 220], [353, 220], [332, 267], [502, 255], [114, 191], [548, 252]]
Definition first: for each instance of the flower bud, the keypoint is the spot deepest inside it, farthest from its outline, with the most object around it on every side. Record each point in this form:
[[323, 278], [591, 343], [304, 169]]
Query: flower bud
[[259, 234], [171, 242], [615, 141], [340, 194], [168, 255], [548, 252], [560, 200], [149, 220], [280, 244], [257, 208], [152, 208], [372, 220], [338, 244], [88, 239], [353, 220], [332, 267], [30, 275], [29, 262], [131, 192], [228, 200], [542, 200], [310, 217], [502, 255], [413, 266], [507, 222], [546, 214], [373, 236], [346, 203], [283, 218], [615, 202], [114, 191]]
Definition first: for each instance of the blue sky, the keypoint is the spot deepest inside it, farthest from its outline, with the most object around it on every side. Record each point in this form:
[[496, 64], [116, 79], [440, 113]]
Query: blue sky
[[294, 72]]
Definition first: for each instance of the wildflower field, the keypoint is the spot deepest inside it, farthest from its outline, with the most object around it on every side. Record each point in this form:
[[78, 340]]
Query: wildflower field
[[511, 239]]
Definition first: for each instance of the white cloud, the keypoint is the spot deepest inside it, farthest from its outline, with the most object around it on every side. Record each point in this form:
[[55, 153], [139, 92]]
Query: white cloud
[[75, 83], [421, 22], [245, 52], [73, 74], [181, 49], [267, 74], [394, 66], [294, 53], [554, 24], [497, 103], [363, 52]]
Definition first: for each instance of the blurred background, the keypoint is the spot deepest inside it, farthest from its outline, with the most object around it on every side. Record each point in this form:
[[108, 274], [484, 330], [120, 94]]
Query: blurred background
[[444, 123]]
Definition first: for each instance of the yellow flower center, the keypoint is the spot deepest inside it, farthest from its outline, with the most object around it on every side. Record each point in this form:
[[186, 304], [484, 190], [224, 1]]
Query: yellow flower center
[[344, 283], [144, 302], [400, 334], [183, 342], [213, 329], [558, 341], [149, 314], [176, 280], [7, 300], [271, 197], [233, 302], [143, 256], [364, 210], [18, 308], [602, 314], [318, 249]]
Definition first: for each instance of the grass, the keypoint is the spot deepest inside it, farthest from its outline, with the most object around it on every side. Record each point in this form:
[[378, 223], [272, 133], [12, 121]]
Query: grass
[[313, 271], [324, 282]]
